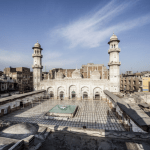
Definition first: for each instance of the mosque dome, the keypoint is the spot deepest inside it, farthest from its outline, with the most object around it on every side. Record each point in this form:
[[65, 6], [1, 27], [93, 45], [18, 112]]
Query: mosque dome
[[113, 37], [19, 131], [76, 74], [37, 45], [95, 75], [59, 75]]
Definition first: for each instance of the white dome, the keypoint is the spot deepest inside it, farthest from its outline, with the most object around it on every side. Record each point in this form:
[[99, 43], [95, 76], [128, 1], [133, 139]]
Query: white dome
[[95, 75], [37, 45], [113, 37], [76, 74]]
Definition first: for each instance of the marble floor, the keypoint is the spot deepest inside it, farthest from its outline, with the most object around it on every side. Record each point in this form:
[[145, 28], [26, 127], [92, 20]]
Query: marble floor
[[92, 114]]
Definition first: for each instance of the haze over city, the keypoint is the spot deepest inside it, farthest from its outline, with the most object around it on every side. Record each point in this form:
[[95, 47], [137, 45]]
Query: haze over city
[[73, 33]]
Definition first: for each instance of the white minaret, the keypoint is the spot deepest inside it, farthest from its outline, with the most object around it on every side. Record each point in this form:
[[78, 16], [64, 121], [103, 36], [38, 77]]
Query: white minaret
[[114, 69], [37, 65]]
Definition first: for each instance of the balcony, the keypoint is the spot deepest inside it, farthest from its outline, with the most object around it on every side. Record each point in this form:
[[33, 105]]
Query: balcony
[[114, 63], [114, 50], [37, 55], [37, 66]]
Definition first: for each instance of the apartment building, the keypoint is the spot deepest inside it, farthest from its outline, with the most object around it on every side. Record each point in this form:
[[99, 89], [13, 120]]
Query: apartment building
[[22, 76]]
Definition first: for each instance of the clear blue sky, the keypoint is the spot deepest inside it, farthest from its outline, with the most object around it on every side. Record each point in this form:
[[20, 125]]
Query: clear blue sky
[[74, 32]]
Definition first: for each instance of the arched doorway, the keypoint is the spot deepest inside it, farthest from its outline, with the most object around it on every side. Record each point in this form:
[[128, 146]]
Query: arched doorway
[[61, 95], [97, 95], [51, 95], [73, 94], [85, 95]]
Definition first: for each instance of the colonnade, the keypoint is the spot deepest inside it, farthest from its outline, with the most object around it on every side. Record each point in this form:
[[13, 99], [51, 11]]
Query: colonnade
[[72, 92]]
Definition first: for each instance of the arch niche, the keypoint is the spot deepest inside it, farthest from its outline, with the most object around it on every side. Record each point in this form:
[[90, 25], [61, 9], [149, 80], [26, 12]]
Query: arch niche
[[96, 93], [72, 92], [61, 92], [85, 92], [50, 92]]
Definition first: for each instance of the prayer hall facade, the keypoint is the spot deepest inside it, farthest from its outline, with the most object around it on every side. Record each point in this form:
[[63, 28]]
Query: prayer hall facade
[[85, 83]]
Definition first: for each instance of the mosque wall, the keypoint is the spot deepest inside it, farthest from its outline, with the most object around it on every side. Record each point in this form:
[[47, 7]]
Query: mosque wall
[[79, 86]]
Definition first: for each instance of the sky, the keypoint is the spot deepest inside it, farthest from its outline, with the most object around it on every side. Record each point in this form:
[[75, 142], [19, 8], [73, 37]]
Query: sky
[[73, 33]]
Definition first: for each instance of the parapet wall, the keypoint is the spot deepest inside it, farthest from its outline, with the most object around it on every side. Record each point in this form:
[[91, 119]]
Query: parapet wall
[[130, 115], [13, 103]]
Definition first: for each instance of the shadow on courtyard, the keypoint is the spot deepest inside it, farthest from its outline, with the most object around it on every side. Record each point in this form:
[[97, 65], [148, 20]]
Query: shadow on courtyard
[[62, 140]]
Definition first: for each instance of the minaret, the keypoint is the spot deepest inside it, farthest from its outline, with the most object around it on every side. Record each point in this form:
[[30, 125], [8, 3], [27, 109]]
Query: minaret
[[114, 69], [37, 65]]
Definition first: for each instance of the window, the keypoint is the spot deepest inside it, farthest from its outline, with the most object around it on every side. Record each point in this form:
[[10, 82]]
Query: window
[[111, 46], [114, 45]]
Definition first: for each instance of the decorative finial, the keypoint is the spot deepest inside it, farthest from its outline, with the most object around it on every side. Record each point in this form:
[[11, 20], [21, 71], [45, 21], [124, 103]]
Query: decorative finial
[[113, 33], [76, 66], [37, 41]]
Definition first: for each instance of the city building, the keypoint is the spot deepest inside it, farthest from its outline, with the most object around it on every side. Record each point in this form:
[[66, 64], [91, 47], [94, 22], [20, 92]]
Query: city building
[[22, 76], [130, 82], [1, 73], [134, 82], [146, 83], [85, 71], [7, 84], [87, 82]]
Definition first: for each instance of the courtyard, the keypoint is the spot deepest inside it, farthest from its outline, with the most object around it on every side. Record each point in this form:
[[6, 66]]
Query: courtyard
[[91, 114]]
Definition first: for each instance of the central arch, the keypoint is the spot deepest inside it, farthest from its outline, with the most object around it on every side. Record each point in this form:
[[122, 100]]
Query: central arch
[[85, 92], [60, 92], [50, 92], [97, 95], [61, 95], [51, 95], [85, 95], [73, 94]]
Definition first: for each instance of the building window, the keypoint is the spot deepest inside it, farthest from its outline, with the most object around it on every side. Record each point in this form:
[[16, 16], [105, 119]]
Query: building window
[[114, 45]]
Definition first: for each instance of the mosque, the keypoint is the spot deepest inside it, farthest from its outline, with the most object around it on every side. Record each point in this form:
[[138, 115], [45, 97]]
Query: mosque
[[85, 83]]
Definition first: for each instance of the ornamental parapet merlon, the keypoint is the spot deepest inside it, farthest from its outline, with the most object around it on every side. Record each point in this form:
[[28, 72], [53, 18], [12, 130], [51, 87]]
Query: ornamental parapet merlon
[[114, 63], [37, 55], [37, 66], [114, 50]]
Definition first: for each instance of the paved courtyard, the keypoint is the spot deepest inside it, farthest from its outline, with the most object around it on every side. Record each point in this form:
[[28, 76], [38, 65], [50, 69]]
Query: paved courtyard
[[92, 114]]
